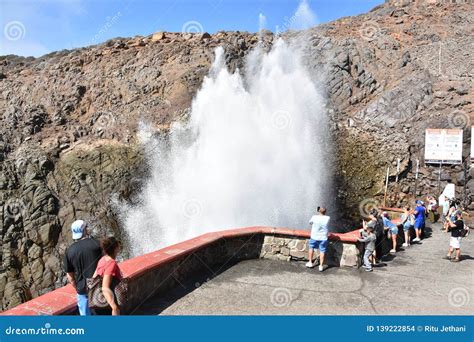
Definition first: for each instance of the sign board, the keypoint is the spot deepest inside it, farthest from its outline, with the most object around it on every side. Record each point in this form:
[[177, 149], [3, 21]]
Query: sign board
[[443, 146]]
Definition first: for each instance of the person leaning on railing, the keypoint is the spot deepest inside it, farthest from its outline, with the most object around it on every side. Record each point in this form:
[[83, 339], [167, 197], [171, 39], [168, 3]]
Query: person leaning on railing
[[108, 269]]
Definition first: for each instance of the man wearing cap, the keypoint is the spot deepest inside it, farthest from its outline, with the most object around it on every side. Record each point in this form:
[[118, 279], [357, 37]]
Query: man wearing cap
[[80, 262]]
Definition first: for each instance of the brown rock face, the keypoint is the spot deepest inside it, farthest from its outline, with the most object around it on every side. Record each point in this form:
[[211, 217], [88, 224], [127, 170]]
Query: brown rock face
[[68, 144]]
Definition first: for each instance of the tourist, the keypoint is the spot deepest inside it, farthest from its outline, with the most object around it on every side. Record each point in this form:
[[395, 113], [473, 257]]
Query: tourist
[[456, 229], [379, 234], [446, 208], [108, 269], [408, 221], [319, 237], [392, 229], [420, 216], [369, 239], [80, 261], [450, 218], [432, 209]]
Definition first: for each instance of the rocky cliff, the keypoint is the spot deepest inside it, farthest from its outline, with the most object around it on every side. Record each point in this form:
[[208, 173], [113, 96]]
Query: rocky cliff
[[69, 145]]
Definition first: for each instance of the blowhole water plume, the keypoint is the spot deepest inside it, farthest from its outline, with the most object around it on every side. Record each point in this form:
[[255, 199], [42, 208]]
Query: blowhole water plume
[[253, 152]]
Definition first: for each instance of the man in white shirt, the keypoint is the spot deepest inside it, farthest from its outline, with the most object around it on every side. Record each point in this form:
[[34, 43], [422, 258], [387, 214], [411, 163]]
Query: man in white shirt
[[319, 237]]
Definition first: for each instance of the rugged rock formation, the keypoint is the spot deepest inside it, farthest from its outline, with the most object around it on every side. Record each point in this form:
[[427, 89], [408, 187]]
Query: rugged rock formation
[[68, 143]]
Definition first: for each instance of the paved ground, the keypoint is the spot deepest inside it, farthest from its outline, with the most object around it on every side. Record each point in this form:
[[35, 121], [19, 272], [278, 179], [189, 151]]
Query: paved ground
[[415, 281]]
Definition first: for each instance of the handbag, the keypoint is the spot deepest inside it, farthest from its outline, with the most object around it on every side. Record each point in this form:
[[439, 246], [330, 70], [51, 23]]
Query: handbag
[[465, 231], [96, 297]]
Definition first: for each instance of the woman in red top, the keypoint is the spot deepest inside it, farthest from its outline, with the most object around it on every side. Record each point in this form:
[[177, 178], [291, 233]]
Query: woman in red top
[[110, 272]]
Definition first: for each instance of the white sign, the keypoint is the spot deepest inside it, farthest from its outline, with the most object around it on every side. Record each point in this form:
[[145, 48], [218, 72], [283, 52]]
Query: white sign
[[443, 146]]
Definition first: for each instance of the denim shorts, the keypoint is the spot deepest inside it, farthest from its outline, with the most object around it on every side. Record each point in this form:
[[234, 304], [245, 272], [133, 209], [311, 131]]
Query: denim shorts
[[317, 244], [406, 227]]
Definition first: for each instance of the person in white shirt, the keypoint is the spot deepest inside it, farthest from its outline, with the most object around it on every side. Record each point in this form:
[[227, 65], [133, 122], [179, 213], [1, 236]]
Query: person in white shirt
[[319, 237]]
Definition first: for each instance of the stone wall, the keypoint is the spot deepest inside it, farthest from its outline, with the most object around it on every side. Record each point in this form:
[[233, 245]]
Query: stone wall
[[286, 248]]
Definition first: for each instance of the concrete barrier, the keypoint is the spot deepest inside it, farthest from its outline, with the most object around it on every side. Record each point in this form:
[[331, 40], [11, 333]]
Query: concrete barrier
[[155, 273]]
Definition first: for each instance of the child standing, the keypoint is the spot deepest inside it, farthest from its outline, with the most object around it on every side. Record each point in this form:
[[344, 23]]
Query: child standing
[[369, 239]]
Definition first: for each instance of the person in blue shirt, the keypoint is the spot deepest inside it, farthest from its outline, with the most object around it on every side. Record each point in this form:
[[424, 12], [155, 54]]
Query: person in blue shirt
[[393, 228], [420, 216]]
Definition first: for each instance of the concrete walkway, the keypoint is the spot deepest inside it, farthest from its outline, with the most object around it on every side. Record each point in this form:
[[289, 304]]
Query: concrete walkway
[[415, 281]]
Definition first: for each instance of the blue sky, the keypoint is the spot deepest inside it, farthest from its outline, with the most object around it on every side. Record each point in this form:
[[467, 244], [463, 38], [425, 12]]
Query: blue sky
[[36, 27]]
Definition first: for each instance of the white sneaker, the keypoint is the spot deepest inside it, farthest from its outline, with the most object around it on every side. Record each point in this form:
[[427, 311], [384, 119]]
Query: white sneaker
[[393, 251], [309, 264], [405, 244], [321, 268], [416, 240]]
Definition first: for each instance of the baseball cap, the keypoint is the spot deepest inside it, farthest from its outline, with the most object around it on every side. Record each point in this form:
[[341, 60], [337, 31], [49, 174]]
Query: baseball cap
[[78, 228]]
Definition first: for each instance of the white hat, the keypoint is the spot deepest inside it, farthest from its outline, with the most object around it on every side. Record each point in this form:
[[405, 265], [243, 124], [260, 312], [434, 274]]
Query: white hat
[[78, 228]]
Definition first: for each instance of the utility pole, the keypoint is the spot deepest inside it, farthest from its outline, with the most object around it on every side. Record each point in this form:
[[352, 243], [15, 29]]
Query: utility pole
[[416, 175], [386, 188]]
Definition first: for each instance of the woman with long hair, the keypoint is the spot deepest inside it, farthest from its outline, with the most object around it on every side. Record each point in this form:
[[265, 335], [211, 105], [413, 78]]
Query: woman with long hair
[[108, 269]]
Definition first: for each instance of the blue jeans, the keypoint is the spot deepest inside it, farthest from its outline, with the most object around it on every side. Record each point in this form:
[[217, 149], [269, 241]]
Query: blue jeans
[[367, 262], [83, 305]]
